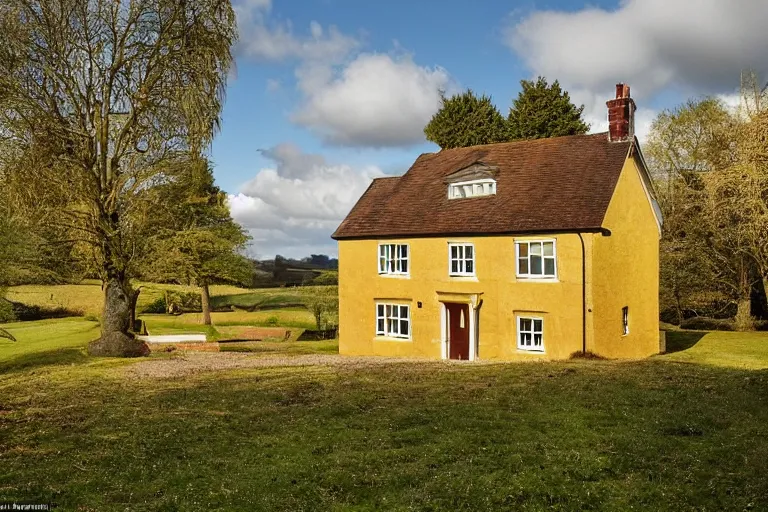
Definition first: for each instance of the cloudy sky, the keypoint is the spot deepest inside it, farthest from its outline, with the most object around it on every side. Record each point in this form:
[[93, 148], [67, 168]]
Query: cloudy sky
[[329, 94]]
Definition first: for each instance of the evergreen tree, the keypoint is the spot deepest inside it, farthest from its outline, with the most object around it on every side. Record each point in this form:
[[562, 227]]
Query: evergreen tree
[[194, 240], [542, 111], [466, 120]]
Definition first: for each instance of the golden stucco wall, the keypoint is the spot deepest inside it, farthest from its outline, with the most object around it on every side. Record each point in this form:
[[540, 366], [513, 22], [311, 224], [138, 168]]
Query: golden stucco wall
[[626, 273], [503, 297]]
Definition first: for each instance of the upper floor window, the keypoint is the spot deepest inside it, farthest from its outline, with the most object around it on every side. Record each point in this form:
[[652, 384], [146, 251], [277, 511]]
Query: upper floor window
[[393, 259], [461, 259], [474, 188], [536, 259]]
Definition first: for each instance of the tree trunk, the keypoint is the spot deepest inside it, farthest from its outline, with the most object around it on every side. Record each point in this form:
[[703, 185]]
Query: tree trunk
[[678, 307], [759, 299], [765, 289], [134, 300], [116, 339], [744, 320], [205, 301]]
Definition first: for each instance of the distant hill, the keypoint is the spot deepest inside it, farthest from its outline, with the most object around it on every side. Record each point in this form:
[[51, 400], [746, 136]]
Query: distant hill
[[281, 271]]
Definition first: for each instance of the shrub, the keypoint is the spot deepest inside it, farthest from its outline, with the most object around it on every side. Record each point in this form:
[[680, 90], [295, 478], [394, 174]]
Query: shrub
[[703, 323], [326, 279], [25, 313], [183, 302], [586, 355], [156, 306], [172, 302], [273, 321], [6, 310]]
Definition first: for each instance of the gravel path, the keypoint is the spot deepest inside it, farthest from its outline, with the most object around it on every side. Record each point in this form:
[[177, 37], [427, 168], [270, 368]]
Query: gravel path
[[198, 362]]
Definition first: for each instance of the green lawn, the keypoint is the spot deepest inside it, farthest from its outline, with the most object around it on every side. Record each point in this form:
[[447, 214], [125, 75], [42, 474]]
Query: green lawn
[[684, 431], [46, 341], [264, 298], [297, 318], [732, 349], [259, 307], [87, 298]]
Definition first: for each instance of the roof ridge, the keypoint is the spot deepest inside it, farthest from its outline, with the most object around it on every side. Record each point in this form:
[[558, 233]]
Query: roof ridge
[[522, 141]]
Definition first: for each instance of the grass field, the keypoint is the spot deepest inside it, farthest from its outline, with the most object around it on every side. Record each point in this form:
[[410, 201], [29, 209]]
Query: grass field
[[190, 322], [88, 298], [263, 307], [683, 431], [747, 350]]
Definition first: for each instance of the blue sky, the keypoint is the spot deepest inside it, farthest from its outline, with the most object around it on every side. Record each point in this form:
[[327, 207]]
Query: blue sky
[[329, 94]]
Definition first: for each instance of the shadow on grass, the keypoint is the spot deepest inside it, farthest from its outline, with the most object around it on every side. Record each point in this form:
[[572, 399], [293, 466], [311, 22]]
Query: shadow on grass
[[256, 302], [34, 360], [678, 341]]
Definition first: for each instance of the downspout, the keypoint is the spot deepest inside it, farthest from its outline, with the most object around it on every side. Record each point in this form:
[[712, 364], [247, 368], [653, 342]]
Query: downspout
[[583, 296]]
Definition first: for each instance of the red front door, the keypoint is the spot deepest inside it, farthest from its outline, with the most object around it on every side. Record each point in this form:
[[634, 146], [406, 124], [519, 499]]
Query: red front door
[[458, 330]]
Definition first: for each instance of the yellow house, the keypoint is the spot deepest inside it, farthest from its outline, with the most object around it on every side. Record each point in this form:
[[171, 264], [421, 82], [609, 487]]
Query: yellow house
[[520, 250]]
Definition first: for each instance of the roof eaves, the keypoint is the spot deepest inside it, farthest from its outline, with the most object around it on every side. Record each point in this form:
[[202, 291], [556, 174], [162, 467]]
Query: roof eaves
[[361, 201], [594, 229]]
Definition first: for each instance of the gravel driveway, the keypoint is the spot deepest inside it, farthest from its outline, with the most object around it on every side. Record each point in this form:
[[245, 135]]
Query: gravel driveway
[[199, 362]]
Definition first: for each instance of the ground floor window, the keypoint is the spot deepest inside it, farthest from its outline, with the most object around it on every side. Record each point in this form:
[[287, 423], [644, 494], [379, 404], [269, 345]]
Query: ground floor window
[[393, 320], [530, 334]]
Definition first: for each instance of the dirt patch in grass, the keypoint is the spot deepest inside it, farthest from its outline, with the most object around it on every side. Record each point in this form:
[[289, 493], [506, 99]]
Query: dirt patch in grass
[[186, 364]]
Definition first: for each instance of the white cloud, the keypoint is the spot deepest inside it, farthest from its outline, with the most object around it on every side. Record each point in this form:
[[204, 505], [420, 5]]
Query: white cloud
[[376, 100], [293, 208], [654, 45], [650, 44], [347, 98], [265, 39], [596, 111]]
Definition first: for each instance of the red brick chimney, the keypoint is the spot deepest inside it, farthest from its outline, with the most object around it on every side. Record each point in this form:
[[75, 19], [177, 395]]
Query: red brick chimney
[[621, 115]]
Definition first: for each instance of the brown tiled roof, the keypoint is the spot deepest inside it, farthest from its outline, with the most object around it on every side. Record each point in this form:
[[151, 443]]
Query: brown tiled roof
[[545, 185]]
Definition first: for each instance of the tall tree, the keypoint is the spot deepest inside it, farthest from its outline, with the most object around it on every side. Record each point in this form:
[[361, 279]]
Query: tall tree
[[738, 211], [9, 249], [466, 120], [194, 240], [95, 97], [683, 145], [542, 111], [711, 173]]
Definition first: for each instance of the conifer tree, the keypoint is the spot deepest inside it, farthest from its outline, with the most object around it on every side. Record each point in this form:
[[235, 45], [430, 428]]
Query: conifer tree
[[466, 120], [542, 111]]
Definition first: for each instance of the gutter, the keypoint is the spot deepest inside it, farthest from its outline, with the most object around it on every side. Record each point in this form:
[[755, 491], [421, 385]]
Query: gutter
[[529, 232]]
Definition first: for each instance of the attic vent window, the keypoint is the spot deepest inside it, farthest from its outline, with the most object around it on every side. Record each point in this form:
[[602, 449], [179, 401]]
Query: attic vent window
[[474, 188]]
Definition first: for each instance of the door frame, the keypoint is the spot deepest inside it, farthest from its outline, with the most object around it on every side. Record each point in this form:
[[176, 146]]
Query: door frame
[[474, 303]]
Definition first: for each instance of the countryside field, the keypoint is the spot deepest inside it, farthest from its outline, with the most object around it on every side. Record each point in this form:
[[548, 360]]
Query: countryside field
[[293, 427]]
